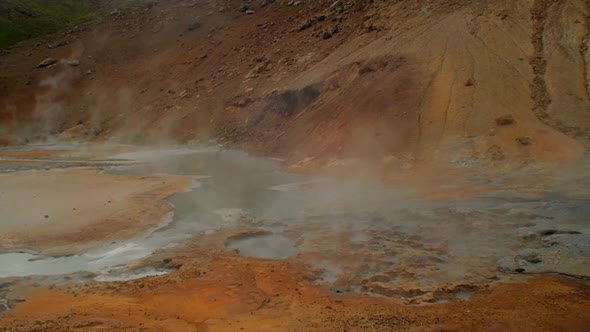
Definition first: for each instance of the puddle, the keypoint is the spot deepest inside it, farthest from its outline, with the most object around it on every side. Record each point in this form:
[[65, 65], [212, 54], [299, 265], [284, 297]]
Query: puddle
[[360, 237], [464, 295], [4, 305], [269, 246]]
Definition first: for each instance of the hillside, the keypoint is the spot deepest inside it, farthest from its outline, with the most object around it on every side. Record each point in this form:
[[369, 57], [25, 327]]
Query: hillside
[[316, 80]]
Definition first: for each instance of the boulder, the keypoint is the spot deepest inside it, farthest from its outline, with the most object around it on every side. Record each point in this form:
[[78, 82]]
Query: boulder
[[46, 63]]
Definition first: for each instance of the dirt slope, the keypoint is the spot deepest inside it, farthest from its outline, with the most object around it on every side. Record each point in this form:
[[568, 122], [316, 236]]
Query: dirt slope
[[318, 81]]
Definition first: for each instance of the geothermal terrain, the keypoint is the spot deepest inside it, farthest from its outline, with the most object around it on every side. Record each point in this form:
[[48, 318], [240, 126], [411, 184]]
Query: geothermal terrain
[[361, 165]]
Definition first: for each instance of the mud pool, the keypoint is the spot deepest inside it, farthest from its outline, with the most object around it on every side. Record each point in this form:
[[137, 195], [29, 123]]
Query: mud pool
[[362, 235]]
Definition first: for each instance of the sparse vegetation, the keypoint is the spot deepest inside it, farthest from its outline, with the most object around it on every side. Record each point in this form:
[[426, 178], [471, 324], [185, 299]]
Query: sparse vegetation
[[24, 19]]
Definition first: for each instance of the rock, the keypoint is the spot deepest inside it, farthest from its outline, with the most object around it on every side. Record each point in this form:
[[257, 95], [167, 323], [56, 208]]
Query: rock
[[203, 56], [46, 63], [259, 69], [533, 258], [72, 63], [297, 3], [115, 12], [56, 45], [244, 7], [89, 72], [505, 120], [221, 9], [524, 140], [250, 12], [307, 23], [194, 25], [336, 4], [265, 3], [327, 35], [495, 153], [151, 3]]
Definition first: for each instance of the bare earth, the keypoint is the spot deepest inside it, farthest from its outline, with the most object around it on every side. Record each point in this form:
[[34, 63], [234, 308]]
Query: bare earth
[[216, 291], [422, 91], [62, 212]]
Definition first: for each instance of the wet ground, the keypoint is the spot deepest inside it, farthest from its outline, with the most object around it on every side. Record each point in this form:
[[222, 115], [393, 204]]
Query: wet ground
[[360, 235]]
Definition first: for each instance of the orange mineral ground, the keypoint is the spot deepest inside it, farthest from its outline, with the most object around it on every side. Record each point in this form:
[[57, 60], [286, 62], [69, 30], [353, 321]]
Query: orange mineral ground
[[275, 165]]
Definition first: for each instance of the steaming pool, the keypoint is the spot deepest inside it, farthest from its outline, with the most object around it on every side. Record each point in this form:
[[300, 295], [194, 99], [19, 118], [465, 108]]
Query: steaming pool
[[359, 232]]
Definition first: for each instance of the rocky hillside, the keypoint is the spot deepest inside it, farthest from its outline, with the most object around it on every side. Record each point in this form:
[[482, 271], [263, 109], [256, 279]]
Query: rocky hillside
[[314, 82]]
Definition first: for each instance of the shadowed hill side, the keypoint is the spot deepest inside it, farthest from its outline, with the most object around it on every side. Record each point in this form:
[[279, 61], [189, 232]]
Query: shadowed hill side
[[495, 81], [24, 19]]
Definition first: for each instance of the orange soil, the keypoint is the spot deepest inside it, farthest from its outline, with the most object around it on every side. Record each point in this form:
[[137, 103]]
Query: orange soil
[[230, 293]]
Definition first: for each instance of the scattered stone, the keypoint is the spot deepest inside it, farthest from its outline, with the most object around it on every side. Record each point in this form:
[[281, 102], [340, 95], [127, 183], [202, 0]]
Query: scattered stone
[[327, 35], [250, 12], [533, 258], [297, 3], [46, 216], [203, 56], [115, 12], [194, 26], [89, 72], [307, 24], [46, 63], [72, 63], [244, 7], [470, 82], [524, 140], [336, 4], [55, 45], [495, 153], [265, 3], [505, 120], [151, 3], [312, 21]]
